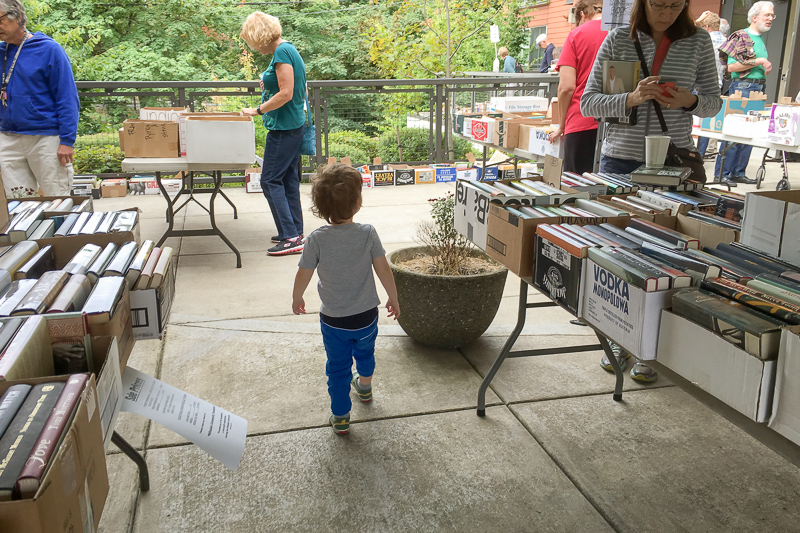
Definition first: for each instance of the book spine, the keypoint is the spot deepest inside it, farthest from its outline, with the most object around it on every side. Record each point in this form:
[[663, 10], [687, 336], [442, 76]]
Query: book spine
[[730, 208], [632, 275], [10, 403], [769, 305], [46, 443]]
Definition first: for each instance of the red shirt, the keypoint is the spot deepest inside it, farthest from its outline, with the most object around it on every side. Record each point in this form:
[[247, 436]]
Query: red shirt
[[579, 52]]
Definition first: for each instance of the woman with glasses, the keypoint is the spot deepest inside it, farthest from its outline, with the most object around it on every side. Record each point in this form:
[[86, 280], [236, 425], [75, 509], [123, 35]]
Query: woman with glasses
[[674, 50]]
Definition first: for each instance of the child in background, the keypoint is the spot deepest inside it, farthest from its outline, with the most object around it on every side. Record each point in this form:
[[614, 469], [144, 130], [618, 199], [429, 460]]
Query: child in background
[[344, 254]]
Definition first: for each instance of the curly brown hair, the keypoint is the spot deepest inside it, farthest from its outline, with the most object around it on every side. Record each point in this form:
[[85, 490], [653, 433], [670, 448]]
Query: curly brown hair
[[336, 193]]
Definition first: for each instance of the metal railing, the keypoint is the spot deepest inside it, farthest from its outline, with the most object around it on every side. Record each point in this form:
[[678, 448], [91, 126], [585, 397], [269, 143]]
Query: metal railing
[[369, 108]]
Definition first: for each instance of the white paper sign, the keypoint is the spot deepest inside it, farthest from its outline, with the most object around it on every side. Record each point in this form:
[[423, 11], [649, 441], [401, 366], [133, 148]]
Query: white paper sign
[[494, 33], [216, 431], [615, 13]]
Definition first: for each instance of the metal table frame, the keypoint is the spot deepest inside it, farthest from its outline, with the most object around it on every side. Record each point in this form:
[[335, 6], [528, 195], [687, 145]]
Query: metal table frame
[[783, 184], [506, 352], [136, 457], [187, 170]]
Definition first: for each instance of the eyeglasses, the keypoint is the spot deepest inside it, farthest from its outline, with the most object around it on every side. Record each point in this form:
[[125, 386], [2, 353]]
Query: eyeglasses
[[674, 7], [766, 16], [4, 16]]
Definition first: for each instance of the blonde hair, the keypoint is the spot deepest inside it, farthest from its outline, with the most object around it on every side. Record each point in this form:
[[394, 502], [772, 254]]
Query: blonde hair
[[260, 29], [502, 52]]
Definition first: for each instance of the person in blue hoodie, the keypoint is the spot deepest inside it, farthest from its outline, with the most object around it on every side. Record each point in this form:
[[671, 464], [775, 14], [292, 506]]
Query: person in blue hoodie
[[38, 109]]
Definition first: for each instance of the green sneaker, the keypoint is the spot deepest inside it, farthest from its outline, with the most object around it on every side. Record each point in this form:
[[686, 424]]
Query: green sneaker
[[621, 355], [363, 395], [340, 424], [643, 372]]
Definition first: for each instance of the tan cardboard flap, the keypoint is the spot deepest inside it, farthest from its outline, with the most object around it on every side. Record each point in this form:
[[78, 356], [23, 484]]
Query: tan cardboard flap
[[552, 170]]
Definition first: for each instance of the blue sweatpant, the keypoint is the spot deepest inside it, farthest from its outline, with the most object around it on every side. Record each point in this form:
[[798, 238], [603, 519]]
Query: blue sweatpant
[[343, 346]]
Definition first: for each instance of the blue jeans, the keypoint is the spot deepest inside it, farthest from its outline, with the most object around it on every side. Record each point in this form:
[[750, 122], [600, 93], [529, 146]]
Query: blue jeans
[[738, 155], [702, 146], [342, 346], [615, 165], [280, 180]]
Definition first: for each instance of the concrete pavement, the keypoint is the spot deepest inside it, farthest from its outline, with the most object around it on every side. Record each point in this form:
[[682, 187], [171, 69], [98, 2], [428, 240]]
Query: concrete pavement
[[554, 452]]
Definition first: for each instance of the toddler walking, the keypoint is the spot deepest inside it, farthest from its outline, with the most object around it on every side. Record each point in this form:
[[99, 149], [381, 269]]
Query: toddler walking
[[344, 254]]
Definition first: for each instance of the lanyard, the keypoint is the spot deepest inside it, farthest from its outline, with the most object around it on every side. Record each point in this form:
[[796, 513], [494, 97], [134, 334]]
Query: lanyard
[[7, 78], [661, 54]]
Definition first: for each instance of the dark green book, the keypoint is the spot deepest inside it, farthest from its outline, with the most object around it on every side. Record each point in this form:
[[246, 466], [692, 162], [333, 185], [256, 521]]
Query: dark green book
[[786, 312], [18, 440], [747, 329], [664, 176], [10, 403]]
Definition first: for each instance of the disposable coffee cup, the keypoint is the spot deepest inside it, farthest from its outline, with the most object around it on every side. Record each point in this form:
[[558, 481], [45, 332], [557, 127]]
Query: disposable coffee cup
[[655, 150]]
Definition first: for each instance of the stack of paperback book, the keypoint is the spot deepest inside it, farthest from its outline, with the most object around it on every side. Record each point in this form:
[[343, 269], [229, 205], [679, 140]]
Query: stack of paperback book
[[33, 423], [523, 187]]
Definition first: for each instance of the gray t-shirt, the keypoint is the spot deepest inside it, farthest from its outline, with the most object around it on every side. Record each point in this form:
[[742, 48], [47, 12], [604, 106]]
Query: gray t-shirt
[[343, 258]]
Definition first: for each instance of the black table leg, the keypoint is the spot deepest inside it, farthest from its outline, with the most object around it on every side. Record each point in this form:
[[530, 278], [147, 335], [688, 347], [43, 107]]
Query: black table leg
[[614, 363], [521, 314], [136, 457]]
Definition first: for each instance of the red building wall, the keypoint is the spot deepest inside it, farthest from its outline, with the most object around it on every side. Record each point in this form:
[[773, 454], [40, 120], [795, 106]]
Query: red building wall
[[555, 16]]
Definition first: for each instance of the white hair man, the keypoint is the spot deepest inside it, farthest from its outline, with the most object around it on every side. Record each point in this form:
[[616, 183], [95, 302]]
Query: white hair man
[[38, 109], [547, 59], [745, 55]]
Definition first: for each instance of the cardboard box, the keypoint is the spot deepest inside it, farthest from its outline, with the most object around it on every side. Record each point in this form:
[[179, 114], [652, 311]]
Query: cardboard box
[[771, 223], [183, 117], [120, 325], [733, 104], [745, 126], [109, 383], [169, 114], [74, 490], [729, 373], [517, 104], [366, 180], [785, 417], [220, 140], [383, 178], [424, 175], [144, 138], [557, 273], [150, 307], [403, 174], [783, 124], [482, 129], [252, 180], [149, 185], [510, 240], [114, 188], [458, 120], [622, 312], [536, 140], [444, 173]]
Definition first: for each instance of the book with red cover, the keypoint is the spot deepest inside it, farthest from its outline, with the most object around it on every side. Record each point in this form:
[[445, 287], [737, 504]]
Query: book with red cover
[[50, 438]]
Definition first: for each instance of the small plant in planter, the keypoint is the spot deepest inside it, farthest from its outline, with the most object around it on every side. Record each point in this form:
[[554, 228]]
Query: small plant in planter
[[448, 289], [447, 252]]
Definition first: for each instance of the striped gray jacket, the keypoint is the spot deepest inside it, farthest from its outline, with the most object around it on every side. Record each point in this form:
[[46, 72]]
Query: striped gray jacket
[[690, 63]]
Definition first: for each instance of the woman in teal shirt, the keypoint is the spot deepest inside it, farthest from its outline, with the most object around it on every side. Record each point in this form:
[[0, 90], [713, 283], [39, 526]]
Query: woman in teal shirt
[[282, 107]]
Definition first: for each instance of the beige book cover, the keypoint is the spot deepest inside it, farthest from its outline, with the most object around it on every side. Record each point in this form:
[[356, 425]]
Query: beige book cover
[[42, 294], [73, 296], [29, 354], [12, 260], [161, 267], [147, 271]]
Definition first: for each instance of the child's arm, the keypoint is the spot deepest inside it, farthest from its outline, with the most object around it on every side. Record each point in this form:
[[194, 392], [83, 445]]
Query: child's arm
[[301, 281], [384, 272]]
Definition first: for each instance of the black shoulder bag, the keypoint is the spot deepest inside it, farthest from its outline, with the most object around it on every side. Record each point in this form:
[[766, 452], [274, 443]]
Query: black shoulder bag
[[676, 157]]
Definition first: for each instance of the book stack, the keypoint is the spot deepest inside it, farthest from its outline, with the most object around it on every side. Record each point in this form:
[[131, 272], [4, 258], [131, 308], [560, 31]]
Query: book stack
[[522, 187], [749, 302], [662, 177], [28, 221], [580, 208], [33, 423]]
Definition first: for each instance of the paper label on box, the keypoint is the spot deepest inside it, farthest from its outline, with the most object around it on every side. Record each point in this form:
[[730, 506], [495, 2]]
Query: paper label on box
[[218, 432], [556, 254]]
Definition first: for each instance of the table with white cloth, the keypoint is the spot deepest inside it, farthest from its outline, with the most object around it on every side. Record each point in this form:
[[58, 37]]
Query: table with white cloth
[[758, 142], [175, 165]]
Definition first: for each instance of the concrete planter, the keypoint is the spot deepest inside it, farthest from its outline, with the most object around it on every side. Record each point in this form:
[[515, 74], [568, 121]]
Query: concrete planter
[[445, 311]]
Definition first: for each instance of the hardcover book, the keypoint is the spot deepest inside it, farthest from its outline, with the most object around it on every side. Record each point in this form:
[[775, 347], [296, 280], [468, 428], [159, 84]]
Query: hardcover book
[[42, 294], [80, 262], [161, 267], [73, 296], [20, 254], [665, 176], [98, 266], [138, 262], [122, 260], [50, 438], [103, 298], [65, 227], [10, 403], [71, 342], [20, 437], [632, 275], [697, 269], [29, 353], [749, 330], [14, 295], [40, 263], [665, 234]]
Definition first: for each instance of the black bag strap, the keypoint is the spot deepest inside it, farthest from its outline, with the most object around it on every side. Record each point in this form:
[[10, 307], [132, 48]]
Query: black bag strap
[[646, 72]]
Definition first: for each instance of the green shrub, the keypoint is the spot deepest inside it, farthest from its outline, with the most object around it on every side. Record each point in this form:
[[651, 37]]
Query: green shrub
[[461, 147], [357, 156], [96, 139], [98, 159], [414, 141], [356, 139]]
